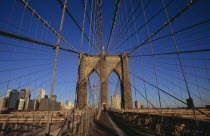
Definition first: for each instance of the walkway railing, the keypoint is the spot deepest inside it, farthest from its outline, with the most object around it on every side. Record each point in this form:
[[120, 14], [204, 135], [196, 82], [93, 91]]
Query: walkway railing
[[34, 123], [171, 125], [79, 123]]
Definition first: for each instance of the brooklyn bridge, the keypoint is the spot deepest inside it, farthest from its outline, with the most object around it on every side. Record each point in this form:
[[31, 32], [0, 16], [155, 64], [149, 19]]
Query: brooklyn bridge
[[104, 68]]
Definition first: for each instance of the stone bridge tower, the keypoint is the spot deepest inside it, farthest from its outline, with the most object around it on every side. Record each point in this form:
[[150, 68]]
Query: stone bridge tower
[[104, 65]]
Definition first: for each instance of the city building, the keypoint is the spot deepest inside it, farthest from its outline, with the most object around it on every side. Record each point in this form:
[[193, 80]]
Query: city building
[[67, 106], [20, 100], [13, 100], [2, 103], [44, 104], [21, 94], [115, 102], [58, 106], [32, 105], [137, 105], [21, 104], [41, 94], [68, 103], [53, 97], [207, 106], [27, 98], [190, 104], [8, 93], [53, 103]]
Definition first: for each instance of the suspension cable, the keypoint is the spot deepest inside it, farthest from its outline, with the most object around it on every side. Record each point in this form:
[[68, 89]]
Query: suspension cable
[[100, 25], [168, 94], [7, 34], [46, 23], [154, 65], [83, 25], [90, 27], [166, 24], [155, 15], [113, 22]]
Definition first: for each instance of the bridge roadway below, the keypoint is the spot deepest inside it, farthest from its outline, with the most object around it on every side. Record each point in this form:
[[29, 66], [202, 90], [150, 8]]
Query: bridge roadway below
[[106, 125]]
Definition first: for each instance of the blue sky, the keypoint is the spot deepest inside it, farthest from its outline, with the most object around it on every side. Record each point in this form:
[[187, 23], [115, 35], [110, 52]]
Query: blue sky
[[38, 59]]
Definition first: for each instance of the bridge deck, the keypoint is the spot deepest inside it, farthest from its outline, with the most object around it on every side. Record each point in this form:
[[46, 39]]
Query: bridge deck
[[103, 127]]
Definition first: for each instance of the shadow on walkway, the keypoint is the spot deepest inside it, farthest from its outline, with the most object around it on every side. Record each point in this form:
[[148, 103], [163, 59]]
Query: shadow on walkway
[[102, 127]]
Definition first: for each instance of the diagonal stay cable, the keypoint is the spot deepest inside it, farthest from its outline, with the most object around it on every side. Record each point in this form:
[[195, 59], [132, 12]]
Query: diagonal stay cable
[[167, 93], [78, 26], [200, 23], [130, 26], [184, 29], [26, 75], [145, 98], [155, 15], [83, 26], [88, 17], [7, 34], [167, 53], [123, 27], [24, 67], [153, 60], [166, 24], [77, 100], [46, 23], [172, 83]]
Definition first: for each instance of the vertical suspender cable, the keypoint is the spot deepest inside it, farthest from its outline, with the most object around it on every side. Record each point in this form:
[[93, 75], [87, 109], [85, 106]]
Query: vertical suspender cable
[[196, 79], [113, 23], [83, 25], [100, 25], [180, 62], [81, 42], [55, 64], [156, 79], [90, 30], [165, 25], [145, 90]]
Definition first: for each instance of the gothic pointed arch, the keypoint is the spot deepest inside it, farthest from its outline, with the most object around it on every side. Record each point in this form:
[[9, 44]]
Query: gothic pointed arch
[[104, 65]]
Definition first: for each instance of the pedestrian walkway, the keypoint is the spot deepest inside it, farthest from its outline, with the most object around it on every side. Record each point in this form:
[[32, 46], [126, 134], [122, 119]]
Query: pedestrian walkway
[[104, 127]]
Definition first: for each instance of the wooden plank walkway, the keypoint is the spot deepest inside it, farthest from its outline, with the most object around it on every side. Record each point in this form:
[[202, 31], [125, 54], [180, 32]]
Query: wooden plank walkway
[[103, 127]]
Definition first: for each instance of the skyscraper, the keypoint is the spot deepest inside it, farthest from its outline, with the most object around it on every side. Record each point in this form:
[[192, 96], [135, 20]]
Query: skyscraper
[[68, 105], [32, 105], [53, 97], [44, 104], [137, 104], [53, 103], [8, 92], [27, 98], [13, 100], [58, 106], [21, 94], [115, 102], [28, 92], [2, 103], [21, 104], [41, 94]]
